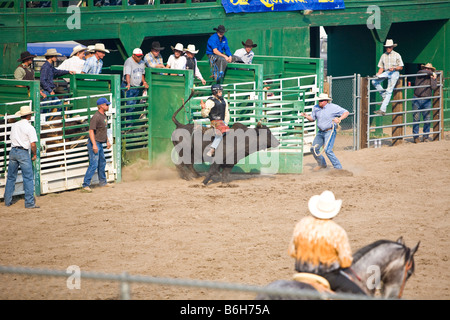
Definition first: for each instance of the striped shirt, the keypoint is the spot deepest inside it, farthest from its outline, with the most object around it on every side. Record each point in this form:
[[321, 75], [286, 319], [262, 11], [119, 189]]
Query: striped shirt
[[93, 65], [391, 60]]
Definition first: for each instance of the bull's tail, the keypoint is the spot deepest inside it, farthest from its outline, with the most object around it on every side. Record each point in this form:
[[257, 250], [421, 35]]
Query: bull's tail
[[174, 117]]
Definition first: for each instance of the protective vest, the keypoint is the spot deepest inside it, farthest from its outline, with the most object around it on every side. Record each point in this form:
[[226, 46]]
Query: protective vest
[[29, 73], [218, 111], [191, 63]]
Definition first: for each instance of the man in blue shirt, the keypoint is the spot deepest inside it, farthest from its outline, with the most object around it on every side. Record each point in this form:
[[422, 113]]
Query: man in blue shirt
[[48, 73], [219, 53], [328, 116], [94, 64]]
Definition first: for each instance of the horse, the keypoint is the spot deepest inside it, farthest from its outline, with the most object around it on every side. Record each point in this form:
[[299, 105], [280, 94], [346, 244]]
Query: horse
[[383, 265]]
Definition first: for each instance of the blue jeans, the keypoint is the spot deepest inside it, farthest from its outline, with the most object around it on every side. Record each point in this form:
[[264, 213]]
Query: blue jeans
[[421, 105], [131, 94], [20, 158], [392, 77], [56, 103], [97, 162], [319, 140]]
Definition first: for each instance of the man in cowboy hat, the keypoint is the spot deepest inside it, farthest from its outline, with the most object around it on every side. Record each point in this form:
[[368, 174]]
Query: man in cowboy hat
[[177, 60], [23, 139], [246, 53], [76, 60], [94, 64], [320, 246], [89, 52], [328, 116], [427, 81], [153, 59], [133, 78], [24, 70], [191, 62], [98, 137], [219, 53], [389, 65], [49, 72]]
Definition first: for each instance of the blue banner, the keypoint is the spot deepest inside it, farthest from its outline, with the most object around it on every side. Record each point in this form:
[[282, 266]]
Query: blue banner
[[236, 6]]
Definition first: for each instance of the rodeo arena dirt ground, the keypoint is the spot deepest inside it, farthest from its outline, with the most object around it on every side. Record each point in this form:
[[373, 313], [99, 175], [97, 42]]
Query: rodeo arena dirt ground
[[155, 224]]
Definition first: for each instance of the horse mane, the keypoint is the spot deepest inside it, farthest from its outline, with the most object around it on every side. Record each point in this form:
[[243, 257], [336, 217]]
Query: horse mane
[[361, 252]]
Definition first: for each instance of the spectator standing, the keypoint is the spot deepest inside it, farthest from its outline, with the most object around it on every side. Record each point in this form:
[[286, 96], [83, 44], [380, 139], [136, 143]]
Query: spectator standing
[[94, 64], [24, 71], [98, 136], [191, 62], [423, 100], [76, 60], [153, 59], [246, 53], [219, 53], [23, 139], [389, 65], [328, 116], [133, 78], [48, 73], [177, 60]]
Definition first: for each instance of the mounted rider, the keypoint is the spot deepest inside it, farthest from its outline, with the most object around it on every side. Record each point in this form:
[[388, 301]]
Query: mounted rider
[[320, 246], [216, 109]]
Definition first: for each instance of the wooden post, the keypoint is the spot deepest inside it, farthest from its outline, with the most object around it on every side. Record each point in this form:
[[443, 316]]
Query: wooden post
[[397, 118], [364, 113], [438, 114]]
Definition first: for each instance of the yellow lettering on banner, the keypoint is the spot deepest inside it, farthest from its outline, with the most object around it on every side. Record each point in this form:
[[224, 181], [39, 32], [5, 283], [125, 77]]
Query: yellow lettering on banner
[[239, 2], [268, 3], [326, 0]]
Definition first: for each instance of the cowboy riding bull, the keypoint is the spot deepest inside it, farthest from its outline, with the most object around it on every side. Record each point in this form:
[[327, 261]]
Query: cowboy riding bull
[[227, 146]]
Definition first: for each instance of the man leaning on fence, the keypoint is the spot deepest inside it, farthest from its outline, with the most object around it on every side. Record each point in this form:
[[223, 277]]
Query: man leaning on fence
[[23, 140], [388, 68], [422, 103], [24, 71]]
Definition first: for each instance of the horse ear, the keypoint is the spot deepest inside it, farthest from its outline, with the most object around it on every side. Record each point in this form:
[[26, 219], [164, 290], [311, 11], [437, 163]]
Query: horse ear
[[413, 250], [400, 240]]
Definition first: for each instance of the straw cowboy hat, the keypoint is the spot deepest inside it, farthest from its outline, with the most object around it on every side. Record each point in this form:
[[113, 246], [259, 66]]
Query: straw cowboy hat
[[178, 47], [324, 206], [24, 111], [52, 53], [324, 96], [26, 55], [77, 49], [157, 46], [390, 43], [428, 65], [249, 43], [220, 29], [191, 49], [100, 47]]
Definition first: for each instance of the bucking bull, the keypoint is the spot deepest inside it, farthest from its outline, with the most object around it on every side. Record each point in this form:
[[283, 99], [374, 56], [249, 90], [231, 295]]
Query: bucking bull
[[190, 142]]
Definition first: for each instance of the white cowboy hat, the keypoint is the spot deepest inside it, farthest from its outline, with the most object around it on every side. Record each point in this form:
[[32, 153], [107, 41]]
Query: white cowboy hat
[[77, 49], [178, 47], [390, 43], [52, 52], [324, 206], [324, 96], [24, 111], [90, 49], [191, 49], [100, 47]]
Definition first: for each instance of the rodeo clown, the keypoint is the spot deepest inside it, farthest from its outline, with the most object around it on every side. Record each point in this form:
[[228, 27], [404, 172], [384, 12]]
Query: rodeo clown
[[216, 109]]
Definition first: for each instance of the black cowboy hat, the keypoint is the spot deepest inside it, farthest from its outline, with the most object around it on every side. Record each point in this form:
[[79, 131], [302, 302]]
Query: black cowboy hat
[[249, 43], [26, 55], [157, 46], [220, 29]]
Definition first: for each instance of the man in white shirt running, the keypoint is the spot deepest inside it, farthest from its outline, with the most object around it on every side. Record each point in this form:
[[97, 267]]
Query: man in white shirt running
[[23, 138]]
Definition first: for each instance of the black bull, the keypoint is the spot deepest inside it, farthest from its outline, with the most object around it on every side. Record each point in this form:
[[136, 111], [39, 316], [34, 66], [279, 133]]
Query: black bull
[[191, 145]]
